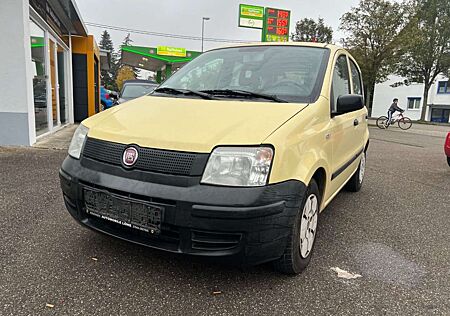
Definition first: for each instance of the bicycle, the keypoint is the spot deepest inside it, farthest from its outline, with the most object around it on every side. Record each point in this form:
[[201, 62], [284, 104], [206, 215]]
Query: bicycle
[[403, 121]]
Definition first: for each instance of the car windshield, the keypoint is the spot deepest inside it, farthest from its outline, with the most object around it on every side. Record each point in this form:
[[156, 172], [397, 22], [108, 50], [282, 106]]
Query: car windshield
[[290, 73], [136, 90]]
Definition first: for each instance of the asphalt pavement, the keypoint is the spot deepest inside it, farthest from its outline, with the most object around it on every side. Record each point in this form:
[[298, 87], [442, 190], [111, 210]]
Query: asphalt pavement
[[394, 233]]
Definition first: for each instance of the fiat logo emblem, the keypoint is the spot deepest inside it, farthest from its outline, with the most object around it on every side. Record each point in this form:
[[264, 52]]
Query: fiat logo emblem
[[130, 156]]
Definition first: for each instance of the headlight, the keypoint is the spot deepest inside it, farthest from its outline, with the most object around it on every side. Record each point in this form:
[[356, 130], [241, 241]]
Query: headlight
[[238, 166], [78, 141]]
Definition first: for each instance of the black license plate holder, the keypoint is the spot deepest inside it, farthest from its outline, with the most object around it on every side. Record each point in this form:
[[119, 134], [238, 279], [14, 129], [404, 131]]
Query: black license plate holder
[[126, 211]]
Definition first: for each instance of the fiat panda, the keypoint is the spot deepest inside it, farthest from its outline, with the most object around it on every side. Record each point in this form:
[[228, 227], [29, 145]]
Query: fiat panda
[[234, 156]]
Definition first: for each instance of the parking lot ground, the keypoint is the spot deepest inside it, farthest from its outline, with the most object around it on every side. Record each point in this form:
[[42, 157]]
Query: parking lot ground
[[394, 233]]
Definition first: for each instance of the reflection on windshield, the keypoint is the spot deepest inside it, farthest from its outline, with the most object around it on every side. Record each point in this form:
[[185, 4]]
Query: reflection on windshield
[[136, 90], [287, 72]]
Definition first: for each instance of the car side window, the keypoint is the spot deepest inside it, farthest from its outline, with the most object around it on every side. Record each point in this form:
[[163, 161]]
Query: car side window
[[341, 80], [356, 78]]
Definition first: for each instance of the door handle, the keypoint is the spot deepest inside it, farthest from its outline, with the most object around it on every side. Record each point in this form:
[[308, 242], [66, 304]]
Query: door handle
[[356, 122]]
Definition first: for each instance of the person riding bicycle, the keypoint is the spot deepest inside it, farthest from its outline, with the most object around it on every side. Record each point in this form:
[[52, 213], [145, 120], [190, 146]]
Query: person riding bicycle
[[392, 109]]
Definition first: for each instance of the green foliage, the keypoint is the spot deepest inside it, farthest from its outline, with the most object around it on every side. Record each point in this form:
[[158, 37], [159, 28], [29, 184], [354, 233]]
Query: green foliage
[[308, 30], [124, 73], [426, 44], [374, 27], [109, 76]]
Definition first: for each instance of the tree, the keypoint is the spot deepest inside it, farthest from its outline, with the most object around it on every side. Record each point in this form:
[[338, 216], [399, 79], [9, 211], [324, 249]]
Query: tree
[[108, 76], [308, 30], [127, 41], [426, 52], [374, 29], [124, 73]]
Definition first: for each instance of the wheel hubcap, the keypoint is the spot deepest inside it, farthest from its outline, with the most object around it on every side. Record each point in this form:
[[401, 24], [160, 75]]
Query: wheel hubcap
[[308, 225], [362, 168]]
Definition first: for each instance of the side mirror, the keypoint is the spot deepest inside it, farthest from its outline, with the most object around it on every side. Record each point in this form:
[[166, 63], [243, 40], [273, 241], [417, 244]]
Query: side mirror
[[349, 103]]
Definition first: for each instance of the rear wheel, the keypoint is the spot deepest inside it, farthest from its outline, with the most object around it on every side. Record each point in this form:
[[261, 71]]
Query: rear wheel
[[382, 122], [301, 240], [448, 160], [356, 181], [405, 123]]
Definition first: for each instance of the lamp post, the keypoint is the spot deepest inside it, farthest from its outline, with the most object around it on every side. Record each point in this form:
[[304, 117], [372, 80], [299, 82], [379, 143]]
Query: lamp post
[[203, 28]]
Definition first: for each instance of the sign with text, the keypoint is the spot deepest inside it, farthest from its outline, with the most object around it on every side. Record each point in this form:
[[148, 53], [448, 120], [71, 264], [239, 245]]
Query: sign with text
[[171, 51], [251, 16], [276, 25]]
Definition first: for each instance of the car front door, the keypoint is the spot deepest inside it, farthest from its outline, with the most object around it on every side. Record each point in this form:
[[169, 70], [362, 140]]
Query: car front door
[[346, 139]]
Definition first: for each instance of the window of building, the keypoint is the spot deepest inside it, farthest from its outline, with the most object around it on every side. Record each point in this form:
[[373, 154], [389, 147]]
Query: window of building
[[341, 79], [414, 103], [443, 87]]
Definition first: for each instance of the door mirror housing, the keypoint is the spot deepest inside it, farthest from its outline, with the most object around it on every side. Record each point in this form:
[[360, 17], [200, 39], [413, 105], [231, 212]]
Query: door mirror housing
[[348, 103]]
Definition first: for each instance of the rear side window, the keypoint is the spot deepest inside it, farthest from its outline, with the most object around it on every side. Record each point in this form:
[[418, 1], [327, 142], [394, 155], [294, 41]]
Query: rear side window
[[341, 79], [356, 78]]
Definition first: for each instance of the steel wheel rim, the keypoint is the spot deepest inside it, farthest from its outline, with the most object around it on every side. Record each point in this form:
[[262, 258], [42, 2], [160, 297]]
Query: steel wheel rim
[[362, 168], [308, 225]]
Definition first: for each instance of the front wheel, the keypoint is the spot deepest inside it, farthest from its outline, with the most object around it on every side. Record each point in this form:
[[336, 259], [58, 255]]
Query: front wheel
[[382, 122], [300, 244], [405, 123]]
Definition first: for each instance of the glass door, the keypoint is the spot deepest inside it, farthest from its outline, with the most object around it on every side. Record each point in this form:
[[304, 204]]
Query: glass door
[[53, 82], [62, 90], [38, 59]]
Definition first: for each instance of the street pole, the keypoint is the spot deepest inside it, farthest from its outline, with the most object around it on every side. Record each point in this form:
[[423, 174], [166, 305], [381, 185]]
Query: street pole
[[203, 29]]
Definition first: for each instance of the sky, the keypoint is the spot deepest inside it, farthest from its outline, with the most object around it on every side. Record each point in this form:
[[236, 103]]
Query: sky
[[185, 18]]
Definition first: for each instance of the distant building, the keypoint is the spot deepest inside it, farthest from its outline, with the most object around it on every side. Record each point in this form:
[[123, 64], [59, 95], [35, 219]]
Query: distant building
[[411, 99]]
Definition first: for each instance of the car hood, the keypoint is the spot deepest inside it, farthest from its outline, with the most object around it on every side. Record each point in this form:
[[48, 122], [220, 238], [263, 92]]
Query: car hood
[[190, 124]]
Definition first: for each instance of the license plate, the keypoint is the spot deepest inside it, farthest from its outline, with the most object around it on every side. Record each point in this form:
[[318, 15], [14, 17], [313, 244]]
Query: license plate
[[124, 211]]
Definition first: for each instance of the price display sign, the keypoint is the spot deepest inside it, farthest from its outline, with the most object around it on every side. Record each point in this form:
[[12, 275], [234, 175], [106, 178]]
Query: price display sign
[[276, 25]]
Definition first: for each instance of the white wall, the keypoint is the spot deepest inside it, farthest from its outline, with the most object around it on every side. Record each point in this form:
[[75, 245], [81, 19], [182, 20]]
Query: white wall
[[16, 87], [384, 94], [439, 98]]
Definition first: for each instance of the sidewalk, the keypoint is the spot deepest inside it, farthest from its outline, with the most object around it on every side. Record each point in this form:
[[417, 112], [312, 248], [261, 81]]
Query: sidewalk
[[58, 140], [420, 129]]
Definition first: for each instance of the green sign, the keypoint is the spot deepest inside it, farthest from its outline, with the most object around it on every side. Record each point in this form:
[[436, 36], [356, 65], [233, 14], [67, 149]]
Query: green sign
[[251, 16], [171, 51], [276, 25]]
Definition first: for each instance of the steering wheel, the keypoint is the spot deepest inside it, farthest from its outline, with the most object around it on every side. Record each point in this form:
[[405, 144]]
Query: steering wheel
[[298, 86]]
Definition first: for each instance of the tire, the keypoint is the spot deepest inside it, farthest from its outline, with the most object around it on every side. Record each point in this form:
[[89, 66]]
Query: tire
[[448, 161], [405, 123], [356, 181], [295, 259], [381, 122]]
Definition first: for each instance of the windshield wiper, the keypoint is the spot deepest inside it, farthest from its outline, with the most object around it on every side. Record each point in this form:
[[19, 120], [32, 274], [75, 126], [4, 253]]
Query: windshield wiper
[[175, 91], [244, 93]]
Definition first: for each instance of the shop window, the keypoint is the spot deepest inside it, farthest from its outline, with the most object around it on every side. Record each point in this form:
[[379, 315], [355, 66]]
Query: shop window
[[37, 44], [443, 87], [414, 103]]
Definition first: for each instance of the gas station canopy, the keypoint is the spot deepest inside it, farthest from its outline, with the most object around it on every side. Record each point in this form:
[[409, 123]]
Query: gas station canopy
[[157, 58]]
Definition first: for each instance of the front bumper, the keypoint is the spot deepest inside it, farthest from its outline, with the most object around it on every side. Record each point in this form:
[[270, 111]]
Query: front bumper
[[243, 225]]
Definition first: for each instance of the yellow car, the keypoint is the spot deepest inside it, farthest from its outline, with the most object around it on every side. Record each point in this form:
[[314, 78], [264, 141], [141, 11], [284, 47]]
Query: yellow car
[[234, 156]]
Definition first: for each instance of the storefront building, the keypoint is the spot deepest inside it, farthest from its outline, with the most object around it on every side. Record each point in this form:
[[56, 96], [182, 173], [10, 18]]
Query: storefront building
[[37, 62]]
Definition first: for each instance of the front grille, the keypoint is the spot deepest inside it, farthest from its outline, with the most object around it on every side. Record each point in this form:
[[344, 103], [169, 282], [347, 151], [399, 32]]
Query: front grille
[[149, 159]]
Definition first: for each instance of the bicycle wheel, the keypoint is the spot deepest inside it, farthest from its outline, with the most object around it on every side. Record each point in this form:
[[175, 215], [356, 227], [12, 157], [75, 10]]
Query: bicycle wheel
[[382, 122], [405, 123]]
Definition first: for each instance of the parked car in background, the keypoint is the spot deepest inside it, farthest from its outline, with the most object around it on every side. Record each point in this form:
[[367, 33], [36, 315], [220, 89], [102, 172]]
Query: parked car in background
[[447, 148], [105, 98], [136, 88]]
